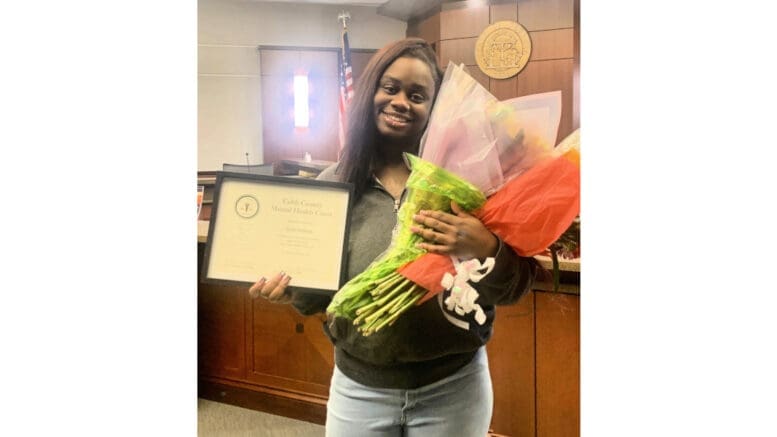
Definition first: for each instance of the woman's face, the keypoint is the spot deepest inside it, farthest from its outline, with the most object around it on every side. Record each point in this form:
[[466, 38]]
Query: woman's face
[[403, 100]]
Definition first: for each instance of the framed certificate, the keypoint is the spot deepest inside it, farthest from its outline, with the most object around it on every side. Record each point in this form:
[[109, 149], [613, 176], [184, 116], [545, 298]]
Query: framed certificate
[[262, 225]]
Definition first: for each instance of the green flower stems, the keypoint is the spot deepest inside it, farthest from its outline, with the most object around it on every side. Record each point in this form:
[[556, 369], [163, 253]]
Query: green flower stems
[[379, 295]]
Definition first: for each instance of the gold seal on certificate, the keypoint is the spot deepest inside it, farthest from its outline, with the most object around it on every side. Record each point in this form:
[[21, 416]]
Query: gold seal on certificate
[[262, 225], [247, 206]]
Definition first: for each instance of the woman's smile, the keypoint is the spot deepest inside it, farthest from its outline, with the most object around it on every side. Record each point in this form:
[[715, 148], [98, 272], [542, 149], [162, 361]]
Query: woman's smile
[[398, 121]]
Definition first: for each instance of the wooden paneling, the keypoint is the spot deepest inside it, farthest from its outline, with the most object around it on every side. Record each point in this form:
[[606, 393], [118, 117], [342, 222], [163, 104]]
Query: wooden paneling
[[552, 44], [428, 28], [463, 22], [286, 350], [546, 14], [221, 337], [319, 351], [359, 61], [504, 12], [504, 89], [272, 337], [576, 75], [511, 360], [479, 76], [544, 76], [457, 50], [558, 364]]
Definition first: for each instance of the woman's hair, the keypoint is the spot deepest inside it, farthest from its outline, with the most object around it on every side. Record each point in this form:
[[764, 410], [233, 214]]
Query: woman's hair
[[360, 138]]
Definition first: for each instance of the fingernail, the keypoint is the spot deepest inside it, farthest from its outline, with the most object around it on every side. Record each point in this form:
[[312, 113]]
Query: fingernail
[[288, 279], [281, 275]]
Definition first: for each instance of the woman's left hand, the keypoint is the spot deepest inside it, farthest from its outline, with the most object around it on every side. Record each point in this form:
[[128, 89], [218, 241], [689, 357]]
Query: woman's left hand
[[459, 234]]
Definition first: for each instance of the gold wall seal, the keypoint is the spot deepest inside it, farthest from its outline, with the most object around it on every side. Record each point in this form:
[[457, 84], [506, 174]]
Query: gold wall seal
[[503, 49]]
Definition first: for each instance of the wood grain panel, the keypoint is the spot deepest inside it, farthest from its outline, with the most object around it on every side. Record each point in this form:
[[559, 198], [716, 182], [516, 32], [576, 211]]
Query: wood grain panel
[[546, 14], [504, 12], [558, 364], [552, 44], [544, 76], [220, 330], [457, 50], [285, 350], [359, 60], [274, 340], [463, 22], [576, 74], [504, 89], [479, 76], [319, 352], [511, 360], [428, 28]]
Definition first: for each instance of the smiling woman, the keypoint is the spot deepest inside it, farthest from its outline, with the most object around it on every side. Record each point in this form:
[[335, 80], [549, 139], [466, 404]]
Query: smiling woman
[[404, 99], [376, 370]]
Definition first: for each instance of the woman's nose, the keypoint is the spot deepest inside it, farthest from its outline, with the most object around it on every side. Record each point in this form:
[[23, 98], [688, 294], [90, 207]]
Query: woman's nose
[[400, 102]]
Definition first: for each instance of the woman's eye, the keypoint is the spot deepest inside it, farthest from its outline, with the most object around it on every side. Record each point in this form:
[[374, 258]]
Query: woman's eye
[[391, 89], [418, 98]]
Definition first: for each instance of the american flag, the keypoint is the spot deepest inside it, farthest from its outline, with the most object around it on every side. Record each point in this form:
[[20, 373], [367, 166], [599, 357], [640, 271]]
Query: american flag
[[346, 85]]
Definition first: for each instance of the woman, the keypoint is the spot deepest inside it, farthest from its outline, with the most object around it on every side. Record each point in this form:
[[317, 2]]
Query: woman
[[426, 375]]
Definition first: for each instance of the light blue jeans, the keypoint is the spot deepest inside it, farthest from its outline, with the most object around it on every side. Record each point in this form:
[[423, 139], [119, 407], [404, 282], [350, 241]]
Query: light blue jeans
[[457, 406]]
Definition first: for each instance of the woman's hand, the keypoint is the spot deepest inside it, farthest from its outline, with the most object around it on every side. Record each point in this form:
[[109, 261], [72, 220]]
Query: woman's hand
[[459, 234], [273, 290]]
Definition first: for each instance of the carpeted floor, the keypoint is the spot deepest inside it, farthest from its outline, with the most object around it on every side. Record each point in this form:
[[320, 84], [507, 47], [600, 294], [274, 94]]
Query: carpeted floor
[[215, 419]]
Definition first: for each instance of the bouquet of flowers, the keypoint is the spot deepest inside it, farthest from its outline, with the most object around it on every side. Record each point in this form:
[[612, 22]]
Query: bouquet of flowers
[[494, 159]]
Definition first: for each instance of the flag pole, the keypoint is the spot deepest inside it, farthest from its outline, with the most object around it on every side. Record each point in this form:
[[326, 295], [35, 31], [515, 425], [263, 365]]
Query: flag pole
[[343, 17], [346, 90]]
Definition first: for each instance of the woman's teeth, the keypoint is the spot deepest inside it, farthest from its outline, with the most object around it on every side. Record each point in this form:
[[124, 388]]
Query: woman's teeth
[[395, 120]]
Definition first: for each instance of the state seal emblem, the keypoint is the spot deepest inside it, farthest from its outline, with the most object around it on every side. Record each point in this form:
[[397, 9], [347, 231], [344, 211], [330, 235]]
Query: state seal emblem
[[503, 49]]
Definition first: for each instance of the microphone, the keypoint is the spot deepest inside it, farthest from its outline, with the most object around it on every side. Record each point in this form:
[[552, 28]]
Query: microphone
[[247, 163]]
